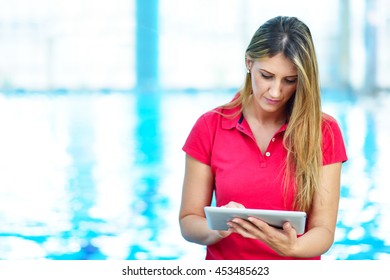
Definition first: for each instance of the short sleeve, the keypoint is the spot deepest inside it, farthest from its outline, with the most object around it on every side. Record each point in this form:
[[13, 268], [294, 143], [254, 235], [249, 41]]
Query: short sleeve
[[199, 141], [333, 147]]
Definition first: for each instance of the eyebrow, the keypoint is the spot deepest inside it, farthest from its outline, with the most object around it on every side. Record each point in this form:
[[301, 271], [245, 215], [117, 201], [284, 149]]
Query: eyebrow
[[291, 76]]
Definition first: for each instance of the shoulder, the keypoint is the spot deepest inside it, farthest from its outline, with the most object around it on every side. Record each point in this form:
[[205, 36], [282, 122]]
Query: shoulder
[[223, 116], [328, 119], [332, 141], [206, 124], [200, 140], [210, 118], [329, 124], [217, 114]]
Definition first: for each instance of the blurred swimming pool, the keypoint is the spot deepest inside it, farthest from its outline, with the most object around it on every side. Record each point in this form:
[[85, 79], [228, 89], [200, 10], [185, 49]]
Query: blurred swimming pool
[[99, 175]]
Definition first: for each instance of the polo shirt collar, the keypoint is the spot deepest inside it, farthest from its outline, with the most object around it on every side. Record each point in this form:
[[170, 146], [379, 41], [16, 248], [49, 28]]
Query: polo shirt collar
[[230, 122]]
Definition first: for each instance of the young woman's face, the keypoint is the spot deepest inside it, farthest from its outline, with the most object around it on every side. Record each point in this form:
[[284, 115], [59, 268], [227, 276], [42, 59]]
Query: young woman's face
[[274, 81]]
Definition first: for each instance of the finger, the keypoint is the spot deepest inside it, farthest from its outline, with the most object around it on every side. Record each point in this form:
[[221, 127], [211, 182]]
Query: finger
[[239, 229], [233, 204], [261, 225], [287, 227], [245, 228], [224, 233], [247, 224]]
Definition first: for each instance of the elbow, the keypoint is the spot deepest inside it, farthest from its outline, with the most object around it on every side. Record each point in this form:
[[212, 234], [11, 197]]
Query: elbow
[[185, 229], [315, 242], [328, 240], [194, 229]]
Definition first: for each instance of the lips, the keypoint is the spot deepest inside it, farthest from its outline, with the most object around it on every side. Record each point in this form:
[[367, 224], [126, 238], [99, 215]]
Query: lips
[[272, 101]]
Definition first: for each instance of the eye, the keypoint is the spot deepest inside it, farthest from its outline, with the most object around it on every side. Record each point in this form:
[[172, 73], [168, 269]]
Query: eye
[[265, 76], [291, 80]]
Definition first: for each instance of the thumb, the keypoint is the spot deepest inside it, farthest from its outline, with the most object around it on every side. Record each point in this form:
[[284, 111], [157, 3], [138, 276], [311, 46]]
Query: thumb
[[287, 227]]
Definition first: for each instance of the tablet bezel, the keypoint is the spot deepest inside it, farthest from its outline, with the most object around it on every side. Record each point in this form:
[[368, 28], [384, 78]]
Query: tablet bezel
[[217, 217]]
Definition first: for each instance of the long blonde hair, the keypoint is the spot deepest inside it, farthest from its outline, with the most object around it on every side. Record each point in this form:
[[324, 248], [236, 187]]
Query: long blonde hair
[[302, 138]]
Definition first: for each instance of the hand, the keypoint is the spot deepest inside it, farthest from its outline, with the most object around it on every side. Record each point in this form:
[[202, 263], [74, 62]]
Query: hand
[[282, 241], [226, 233]]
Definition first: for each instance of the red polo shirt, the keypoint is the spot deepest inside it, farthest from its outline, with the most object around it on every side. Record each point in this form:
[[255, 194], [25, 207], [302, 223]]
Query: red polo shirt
[[244, 175]]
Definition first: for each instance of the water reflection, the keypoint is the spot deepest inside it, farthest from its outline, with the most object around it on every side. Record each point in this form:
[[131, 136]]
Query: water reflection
[[98, 176], [81, 187], [149, 149], [360, 206]]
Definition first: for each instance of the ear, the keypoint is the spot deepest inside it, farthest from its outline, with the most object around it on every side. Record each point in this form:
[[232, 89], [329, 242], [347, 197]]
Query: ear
[[249, 63]]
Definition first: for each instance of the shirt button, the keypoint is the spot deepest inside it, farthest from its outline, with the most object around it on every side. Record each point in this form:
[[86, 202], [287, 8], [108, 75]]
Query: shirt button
[[267, 154], [273, 139]]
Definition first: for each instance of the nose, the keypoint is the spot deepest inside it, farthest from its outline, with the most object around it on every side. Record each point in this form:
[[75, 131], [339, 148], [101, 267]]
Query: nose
[[275, 89]]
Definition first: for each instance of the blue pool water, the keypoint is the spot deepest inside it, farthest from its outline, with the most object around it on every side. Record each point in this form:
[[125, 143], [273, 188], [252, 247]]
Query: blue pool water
[[99, 175]]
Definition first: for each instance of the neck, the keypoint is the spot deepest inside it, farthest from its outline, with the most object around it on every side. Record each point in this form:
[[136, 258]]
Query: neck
[[264, 118]]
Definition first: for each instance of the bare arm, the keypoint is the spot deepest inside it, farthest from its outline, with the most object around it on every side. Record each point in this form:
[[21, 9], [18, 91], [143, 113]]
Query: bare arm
[[197, 193], [323, 216]]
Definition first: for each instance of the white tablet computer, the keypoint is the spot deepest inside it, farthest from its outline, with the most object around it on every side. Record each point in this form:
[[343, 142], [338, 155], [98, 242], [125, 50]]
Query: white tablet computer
[[217, 217]]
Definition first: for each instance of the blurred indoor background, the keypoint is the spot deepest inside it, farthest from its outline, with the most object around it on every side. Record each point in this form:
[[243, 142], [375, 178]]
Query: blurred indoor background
[[98, 96]]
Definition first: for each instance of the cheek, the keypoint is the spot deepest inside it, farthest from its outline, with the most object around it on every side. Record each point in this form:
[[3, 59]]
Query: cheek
[[258, 86], [290, 92]]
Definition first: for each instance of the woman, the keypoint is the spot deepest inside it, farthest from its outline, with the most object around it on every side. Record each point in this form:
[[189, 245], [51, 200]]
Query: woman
[[271, 147]]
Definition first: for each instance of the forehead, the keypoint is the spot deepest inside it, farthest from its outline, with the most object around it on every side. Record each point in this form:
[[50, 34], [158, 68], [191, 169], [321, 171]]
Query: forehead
[[278, 65]]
